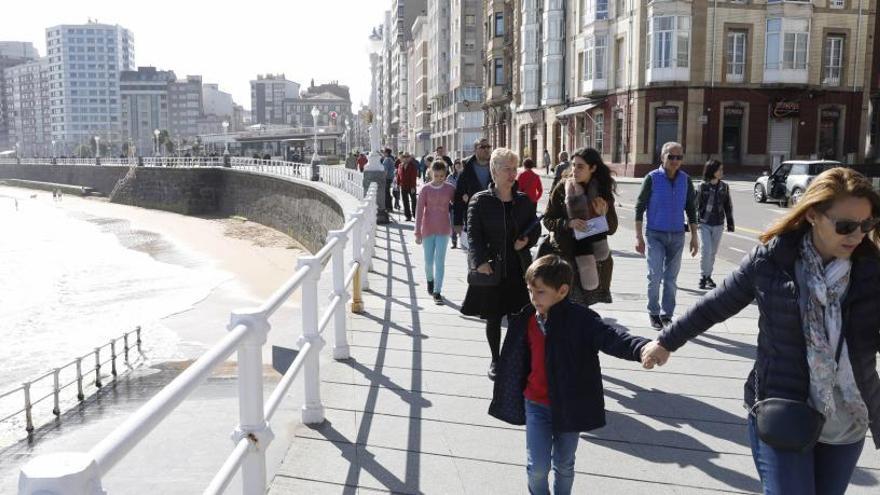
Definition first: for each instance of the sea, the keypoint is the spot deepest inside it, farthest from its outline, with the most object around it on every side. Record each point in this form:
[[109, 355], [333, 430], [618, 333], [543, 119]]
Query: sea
[[70, 282]]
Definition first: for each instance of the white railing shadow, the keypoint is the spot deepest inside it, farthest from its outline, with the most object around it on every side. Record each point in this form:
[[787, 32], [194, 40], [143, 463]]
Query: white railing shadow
[[81, 473]]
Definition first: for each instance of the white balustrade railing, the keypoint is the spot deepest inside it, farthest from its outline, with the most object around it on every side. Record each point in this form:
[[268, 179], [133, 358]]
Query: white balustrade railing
[[348, 180], [81, 473]]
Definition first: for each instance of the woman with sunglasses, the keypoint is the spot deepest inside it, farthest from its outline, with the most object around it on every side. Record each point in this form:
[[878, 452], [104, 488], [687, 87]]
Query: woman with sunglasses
[[814, 391]]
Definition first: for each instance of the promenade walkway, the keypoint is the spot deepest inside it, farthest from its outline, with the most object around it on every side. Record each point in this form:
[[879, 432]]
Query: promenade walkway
[[407, 414]]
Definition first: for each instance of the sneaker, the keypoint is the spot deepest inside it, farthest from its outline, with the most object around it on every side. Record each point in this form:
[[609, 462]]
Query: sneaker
[[704, 283], [656, 322], [491, 372], [438, 299], [454, 245], [666, 320], [710, 283], [430, 286]]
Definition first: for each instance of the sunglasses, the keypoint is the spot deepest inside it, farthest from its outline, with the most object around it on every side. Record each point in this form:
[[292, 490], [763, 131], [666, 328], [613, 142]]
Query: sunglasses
[[675, 157], [485, 146], [847, 227]]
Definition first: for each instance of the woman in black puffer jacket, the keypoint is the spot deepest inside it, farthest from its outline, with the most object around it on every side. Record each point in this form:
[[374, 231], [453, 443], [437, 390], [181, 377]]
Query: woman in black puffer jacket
[[815, 278], [496, 221]]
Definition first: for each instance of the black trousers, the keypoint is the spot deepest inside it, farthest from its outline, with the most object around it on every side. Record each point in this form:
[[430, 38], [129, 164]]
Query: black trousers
[[388, 203], [409, 203]]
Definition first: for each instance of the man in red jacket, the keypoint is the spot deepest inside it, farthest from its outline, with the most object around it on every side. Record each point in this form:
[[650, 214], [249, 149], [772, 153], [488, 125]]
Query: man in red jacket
[[362, 162], [529, 182], [407, 176]]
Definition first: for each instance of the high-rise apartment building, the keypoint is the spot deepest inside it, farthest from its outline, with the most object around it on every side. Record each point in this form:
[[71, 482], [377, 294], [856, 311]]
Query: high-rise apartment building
[[145, 107], [12, 53], [185, 108], [268, 93], [85, 61], [27, 90]]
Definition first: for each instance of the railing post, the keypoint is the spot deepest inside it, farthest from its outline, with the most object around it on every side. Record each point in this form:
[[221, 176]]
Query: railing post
[[125, 348], [66, 472], [79, 380], [252, 418], [98, 367], [357, 232], [28, 417], [138, 342], [56, 392], [113, 357], [340, 339], [312, 409]]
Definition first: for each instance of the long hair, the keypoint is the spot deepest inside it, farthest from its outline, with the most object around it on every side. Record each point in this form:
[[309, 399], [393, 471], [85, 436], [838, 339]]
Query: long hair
[[607, 184], [826, 188], [709, 170]]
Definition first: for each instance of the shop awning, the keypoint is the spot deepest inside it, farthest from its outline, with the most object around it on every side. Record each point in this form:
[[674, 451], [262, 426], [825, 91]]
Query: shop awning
[[578, 109]]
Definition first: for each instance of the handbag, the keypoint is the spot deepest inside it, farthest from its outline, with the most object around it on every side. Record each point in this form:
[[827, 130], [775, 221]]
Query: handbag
[[478, 279], [786, 424]]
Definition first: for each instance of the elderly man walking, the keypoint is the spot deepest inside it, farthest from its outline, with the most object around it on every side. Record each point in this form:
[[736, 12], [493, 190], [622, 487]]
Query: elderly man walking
[[668, 196], [474, 178]]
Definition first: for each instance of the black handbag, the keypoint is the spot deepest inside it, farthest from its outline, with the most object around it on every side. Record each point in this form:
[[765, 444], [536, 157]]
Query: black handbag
[[478, 279], [786, 424]]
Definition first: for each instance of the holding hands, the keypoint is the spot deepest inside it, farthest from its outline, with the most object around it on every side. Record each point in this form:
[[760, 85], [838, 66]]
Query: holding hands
[[654, 354]]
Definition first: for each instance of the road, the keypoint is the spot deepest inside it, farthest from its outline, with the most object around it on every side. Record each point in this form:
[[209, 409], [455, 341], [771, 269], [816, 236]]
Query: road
[[751, 218]]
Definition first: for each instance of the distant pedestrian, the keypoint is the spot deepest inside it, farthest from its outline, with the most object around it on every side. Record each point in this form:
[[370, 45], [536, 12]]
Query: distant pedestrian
[[669, 198], [529, 182], [453, 179], [549, 377], [407, 181], [475, 177], [390, 173], [561, 168], [433, 226], [714, 206], [440, 153], [547, 162], [362, 161]]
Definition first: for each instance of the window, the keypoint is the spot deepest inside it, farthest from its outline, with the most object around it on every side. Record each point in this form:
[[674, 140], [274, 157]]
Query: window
[[499, 23], [594, 58], [736, 56], [601, 9], [499, 72], [833, 60], [470, 20], [599, 131], [669, 42], [787, 44]]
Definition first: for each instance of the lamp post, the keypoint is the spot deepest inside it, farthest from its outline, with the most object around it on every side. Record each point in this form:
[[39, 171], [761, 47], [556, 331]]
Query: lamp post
[[156, 135], [53, 149], [316, 176], [225, 139], [98, 147], [347, 138], [461, 136], [510, 122]]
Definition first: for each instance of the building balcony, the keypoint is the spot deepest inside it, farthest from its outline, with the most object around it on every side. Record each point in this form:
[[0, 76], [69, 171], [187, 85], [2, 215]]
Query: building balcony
[[667, 74], [786, 76], [593, 85]]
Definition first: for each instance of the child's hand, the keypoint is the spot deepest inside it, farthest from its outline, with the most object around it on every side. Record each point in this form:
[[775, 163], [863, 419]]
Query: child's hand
[[654, 353], [600, 206], [418, 239], [520, 243]]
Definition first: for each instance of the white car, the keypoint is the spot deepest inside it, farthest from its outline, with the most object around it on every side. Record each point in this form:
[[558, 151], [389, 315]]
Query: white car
[[788, 182]]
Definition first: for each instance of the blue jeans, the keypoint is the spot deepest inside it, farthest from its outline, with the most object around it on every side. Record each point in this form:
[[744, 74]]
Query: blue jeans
[[664, 261], [435, 259], [710, 239], [826, 470], [542, 444]]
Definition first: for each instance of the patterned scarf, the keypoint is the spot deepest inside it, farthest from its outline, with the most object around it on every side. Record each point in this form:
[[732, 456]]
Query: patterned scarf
[[823, 313]]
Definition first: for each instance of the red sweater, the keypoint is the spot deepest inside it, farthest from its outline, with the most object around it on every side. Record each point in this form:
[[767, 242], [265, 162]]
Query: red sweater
[[407, 176], [530, 183], [536, 385]]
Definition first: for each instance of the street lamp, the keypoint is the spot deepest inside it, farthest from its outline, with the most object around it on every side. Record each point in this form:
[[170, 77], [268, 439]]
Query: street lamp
[[225, 139], [461, 136], [53, 148], [97, 146], [510, 122], [315, 174], [156, 135], [347, 138]]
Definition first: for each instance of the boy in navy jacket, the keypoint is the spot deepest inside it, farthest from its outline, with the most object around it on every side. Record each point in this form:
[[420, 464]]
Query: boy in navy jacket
[[548, 374]]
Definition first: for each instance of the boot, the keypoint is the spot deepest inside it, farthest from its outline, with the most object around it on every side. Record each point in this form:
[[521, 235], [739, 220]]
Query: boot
[[430, 286], [703, 283]]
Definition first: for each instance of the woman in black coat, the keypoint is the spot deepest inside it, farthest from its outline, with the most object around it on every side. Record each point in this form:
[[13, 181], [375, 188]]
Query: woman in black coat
[[496, 221], [816, 281]]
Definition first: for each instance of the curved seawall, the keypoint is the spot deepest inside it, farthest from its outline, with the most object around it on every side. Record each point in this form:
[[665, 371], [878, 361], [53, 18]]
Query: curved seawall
[[300, 209]]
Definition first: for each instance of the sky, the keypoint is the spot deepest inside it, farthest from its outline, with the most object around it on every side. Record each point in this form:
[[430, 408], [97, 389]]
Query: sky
[[229, 42]]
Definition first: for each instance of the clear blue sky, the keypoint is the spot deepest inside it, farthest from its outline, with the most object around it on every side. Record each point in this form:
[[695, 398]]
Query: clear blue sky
[[226, 43]]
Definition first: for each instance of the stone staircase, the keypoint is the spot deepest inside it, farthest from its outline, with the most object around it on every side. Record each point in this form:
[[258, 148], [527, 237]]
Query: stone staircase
[[123, 183]]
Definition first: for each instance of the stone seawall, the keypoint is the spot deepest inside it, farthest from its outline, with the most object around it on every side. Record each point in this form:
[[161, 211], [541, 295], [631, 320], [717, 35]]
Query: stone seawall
[[299, 209]]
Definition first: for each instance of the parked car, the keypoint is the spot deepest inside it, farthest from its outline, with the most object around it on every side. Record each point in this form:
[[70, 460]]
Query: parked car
[[787, 183]]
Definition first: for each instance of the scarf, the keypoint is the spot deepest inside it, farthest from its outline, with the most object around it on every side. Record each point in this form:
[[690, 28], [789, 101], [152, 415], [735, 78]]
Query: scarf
[[822, 313]]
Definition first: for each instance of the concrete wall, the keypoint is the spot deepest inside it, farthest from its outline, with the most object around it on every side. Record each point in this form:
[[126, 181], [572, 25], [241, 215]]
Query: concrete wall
[[301, 210]]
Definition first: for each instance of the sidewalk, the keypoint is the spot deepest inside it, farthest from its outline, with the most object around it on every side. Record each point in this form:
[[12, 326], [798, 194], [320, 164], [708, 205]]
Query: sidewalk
[[407, 414]]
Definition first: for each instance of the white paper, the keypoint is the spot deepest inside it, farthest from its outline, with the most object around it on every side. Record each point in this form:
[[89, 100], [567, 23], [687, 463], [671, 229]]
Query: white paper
[[595, 226]]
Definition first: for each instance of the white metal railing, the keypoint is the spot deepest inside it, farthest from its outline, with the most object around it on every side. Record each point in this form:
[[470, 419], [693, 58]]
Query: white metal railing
[[71, 374], [348, 180], [82, 472]]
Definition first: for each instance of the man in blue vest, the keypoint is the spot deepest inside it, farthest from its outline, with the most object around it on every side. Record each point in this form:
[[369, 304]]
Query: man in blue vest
[[668, 196]]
